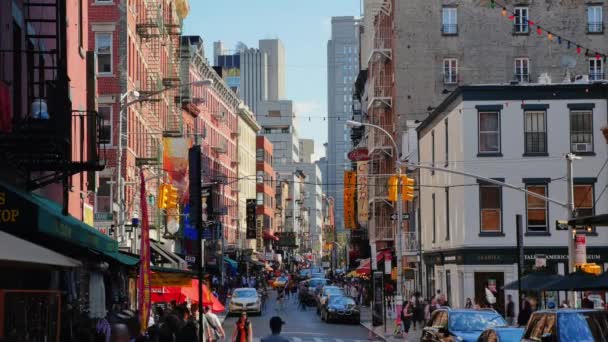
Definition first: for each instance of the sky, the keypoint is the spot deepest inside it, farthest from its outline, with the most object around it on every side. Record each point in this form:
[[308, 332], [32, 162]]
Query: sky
[[304, 27]]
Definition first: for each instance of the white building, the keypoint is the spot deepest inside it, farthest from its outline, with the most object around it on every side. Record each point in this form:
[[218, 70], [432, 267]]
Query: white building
[[254, 77], [313, 196], [247, 132], [518, 134], [276, 67], [343, 67]]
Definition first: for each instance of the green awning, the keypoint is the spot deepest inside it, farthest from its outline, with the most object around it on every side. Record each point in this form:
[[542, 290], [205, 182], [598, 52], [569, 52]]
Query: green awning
[[22, 212], [232, 263]]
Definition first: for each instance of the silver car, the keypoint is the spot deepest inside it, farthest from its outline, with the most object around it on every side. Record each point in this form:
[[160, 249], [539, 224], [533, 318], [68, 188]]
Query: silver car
[[245, 300]]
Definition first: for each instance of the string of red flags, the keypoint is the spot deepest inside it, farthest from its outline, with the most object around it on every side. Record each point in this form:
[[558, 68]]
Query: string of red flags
[[550, 35]]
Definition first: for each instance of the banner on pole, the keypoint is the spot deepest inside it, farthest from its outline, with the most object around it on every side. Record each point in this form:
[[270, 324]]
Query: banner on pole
[[350, 185], [362, 191], [250, 212], [143, 282]]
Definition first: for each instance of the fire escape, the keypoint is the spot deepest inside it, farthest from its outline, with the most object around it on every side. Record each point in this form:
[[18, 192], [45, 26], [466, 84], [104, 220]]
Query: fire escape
[[48, 141], [171, 77], [152, 33], [380, 112]]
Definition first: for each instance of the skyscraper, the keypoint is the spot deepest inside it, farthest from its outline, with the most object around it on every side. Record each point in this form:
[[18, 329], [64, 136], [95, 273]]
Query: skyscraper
[[276, 68], [343, 67], [254, 81]]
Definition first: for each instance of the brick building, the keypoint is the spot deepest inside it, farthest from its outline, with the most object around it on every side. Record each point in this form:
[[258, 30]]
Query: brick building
[[137, 46], [266, 190]]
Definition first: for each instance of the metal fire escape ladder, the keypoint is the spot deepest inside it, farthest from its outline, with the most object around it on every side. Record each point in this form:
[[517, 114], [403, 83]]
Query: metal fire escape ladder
[[172, 78]]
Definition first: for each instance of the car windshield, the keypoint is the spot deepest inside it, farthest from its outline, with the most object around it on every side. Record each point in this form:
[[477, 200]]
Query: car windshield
[[582, 326], [333, 291], [245, 294], [475, 321], [316, 282], [342, 300]]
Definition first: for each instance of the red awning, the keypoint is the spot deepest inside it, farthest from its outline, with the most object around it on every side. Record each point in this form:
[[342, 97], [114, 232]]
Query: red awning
[[365, 268], [184, 293], [380, 255], [268, 235]]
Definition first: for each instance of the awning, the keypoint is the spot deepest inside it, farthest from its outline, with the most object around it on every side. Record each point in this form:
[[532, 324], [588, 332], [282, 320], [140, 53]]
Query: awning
[[30, 213], [231, 262], [596, 220], [171, 258], [268, 235], [577, 281], [535, 282], [16, 250]]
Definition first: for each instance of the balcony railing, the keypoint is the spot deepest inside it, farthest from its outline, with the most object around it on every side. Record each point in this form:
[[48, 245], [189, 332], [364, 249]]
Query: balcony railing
[[378, 187], [596, 76], [449, 29], [384, 233], [595, 27]]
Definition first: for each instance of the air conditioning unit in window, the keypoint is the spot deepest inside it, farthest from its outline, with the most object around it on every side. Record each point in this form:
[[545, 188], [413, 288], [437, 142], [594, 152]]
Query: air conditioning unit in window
[[581, 147]]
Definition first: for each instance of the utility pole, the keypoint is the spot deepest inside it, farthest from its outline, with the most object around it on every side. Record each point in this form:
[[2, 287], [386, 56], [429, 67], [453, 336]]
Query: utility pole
[[399, 230], [570, 158]]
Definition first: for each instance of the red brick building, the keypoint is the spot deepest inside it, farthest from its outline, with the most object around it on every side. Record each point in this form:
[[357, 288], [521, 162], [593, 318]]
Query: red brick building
[[265, 188], [137, 49], [210, 115]]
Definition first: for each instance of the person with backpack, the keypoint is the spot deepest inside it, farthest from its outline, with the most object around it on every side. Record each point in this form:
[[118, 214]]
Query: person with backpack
[[213, 321]]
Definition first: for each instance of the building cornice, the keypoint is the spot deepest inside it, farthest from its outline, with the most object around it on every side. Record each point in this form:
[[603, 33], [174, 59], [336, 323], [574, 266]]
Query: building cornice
[[248, 118], [219, 86]]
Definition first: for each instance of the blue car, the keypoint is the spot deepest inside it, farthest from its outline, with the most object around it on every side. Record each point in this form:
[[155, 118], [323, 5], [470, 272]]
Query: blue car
[[567, 325], [501, 335], [460, 324]]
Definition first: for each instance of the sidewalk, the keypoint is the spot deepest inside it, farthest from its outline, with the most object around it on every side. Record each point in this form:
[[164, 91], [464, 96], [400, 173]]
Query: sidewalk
[[379, 331]]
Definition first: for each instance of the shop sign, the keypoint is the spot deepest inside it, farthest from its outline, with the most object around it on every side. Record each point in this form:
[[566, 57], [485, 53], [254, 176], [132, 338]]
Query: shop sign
[[16, 212], [350, 187], [103, 216], [287, 239], [362, 192], [580, 249], [358, 154], [250, 218]]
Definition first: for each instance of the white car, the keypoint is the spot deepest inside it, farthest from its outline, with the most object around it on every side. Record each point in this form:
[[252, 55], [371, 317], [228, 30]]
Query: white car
[[245, 300]]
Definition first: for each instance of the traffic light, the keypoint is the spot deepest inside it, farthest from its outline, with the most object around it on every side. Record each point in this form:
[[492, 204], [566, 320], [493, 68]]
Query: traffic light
[[393, 187], [407, 188], [168, 197], [163, 196]]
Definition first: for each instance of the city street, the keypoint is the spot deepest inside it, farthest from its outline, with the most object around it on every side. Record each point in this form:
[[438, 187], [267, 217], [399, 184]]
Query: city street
[[300, 326]]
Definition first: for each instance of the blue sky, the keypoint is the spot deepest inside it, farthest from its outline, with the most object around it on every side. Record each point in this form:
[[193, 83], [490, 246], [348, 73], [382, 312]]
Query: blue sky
[[304, 26]]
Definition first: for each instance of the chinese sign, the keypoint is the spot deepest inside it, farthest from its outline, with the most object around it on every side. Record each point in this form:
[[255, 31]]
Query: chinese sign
[[350, 185]]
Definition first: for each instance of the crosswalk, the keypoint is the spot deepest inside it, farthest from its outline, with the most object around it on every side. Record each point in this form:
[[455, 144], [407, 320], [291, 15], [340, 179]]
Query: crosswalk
[[319, 339]]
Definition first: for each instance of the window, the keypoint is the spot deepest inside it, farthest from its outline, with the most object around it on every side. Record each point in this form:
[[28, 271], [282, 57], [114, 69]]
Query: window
[[595, 22], [581, 131], [103, 50], [259, 154], [433, 151], [103, 202], [446, 143], [583, 199], [596, 69], [535, 135], [447, 213], [259, 197], [521, 20], [260, 177], [536, 209], [450, 71], [489, 132], [490, 208], [434, 218], [80, 27], [449, 21], [105, 115], [522, 70]]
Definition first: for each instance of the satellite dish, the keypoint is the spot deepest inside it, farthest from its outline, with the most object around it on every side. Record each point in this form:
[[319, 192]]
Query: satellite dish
[[567, 61]]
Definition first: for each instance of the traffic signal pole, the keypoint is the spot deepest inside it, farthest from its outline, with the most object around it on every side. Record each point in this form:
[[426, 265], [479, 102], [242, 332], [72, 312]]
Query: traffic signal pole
[[399, 230]]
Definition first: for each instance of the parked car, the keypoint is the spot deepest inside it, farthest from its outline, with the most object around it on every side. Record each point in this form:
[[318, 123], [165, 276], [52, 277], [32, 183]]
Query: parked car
[[341, 309], [326, 291], [506, 334], [567, 325], [460, 324], [245, 299]]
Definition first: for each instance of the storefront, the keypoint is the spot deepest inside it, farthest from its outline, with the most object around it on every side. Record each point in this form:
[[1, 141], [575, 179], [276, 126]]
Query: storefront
[[466, 273], [69, 298]]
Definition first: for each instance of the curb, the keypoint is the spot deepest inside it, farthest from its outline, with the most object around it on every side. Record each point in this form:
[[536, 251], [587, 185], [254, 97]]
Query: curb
[[363, 324]]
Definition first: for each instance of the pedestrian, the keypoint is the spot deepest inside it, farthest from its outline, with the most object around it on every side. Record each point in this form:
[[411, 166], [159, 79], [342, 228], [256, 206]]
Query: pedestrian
[[406, 317], [276, 324], [418, 308], [120, 333], [510, 314], [525, 312], [214, 323], [438, 295], [243, 331], [355, 294], [565, 304], [187, 329], [587, 303], [468, 304]]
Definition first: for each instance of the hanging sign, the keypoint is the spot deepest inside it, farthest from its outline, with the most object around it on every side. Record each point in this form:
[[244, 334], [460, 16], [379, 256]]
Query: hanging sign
[[250, 210], [580, 249], [350, 185], [362, 192]]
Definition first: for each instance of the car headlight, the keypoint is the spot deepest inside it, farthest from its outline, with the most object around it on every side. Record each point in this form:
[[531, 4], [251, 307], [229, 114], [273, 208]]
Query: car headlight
[[458, 338], [331, 310]]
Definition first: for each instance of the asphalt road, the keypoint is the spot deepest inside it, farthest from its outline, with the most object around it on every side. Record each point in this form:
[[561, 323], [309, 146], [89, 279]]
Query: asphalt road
[[301, 326]]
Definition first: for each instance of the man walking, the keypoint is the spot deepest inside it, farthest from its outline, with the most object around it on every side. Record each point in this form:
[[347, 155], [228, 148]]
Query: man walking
[[510, 314], [276, 324], [215, 324]]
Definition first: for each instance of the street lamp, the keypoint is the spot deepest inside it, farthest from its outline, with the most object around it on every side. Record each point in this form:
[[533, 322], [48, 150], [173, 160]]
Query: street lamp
[[124, 104], [355, 124]]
